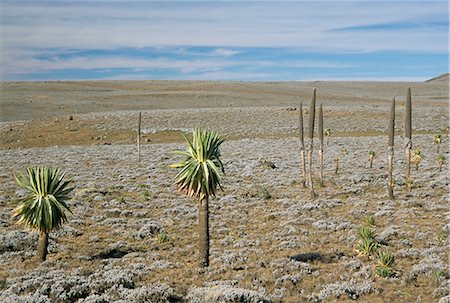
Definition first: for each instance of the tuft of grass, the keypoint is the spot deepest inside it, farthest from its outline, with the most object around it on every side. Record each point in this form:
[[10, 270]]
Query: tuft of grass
[[439, 276], [385, 259], [384, 272], [366, 247], [442, 237], [162, 237], [145, 195], [369, 221], [366, 233]]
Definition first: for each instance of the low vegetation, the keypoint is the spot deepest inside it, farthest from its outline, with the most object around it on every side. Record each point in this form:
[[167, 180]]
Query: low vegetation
[[264, 239]]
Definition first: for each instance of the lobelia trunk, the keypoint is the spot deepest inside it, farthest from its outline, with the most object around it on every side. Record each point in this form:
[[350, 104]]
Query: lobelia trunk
[[41, 253], [303, 161], [302, 148], [408, 132], [390, 183], [312, 113], [203, 232], [370, 162], [336, 170], [321, 144]]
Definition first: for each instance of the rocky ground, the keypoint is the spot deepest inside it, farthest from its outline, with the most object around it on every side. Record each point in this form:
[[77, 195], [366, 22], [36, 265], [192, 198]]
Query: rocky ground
[[132, 236]]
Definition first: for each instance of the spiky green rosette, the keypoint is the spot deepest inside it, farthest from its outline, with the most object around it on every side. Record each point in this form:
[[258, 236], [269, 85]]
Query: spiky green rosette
[[44, 206], [199, 174]]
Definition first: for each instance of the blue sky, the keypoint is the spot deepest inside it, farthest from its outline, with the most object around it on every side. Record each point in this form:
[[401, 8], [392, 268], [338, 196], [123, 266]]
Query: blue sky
[[224, 40]]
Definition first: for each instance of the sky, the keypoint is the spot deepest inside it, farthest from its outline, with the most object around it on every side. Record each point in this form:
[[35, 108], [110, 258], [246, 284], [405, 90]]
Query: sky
[[224, 40]]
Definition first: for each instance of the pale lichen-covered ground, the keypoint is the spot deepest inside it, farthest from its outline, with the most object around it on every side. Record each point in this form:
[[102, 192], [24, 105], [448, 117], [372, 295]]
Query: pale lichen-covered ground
[[269, 241]]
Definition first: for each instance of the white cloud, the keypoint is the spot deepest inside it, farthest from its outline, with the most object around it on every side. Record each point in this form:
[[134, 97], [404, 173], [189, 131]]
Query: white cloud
[[224, 52], [28, 27], [249, 24], [29, 63]]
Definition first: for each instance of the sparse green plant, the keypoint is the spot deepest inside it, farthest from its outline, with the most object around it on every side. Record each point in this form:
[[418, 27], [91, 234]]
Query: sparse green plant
[[417, 157], [366, 244], [199, 176], [44, 206], [366, 233], [438, 276], [409, 184], [366, 247], [162, 237], [385, 259], [438, 140], [371, 157], [384, 272], [145, 194], [441, 161], [327, 133], [442, 236], [121, 200], [369, 221]]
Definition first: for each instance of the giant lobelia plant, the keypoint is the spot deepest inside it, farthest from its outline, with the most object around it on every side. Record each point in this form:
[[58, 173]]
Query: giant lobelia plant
[[321, 144], [408, 134], [199, 177], [312, 113], [44, 207], [302, 148], [391, 132]]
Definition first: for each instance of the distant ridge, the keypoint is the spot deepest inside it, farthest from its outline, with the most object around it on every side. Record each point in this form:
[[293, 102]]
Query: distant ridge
[[441, 78]]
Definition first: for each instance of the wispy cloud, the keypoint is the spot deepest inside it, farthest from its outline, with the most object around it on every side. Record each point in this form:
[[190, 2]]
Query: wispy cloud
[[184, 38], [224, 52]]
